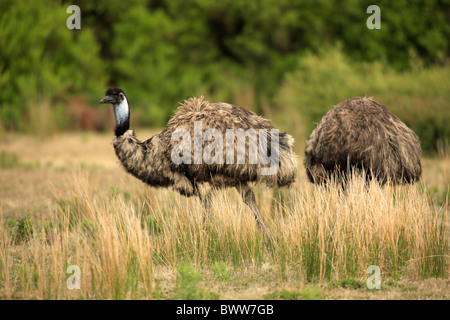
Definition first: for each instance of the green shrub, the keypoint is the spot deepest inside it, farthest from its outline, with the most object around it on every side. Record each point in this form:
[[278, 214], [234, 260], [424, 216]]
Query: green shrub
[[188, 284], [349, 283], [23, 230], [9, 160], [43, 63], [309, 293], [221, 271]]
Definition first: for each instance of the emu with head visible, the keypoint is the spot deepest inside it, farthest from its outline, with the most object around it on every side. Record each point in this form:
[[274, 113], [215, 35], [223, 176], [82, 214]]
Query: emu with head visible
[[363, 135], [152, 161]]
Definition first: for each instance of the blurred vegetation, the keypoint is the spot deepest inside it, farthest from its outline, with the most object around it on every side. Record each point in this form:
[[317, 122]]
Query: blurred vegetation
[[22, 230], [292, 60]]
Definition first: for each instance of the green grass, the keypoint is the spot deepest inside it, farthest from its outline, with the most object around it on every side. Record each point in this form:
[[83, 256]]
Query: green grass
[[349, 283], [22, 230], [188, 284], [11, 160], [309, 293]]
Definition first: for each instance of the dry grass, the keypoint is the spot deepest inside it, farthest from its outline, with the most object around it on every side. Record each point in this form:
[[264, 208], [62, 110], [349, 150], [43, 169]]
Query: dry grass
[[135, 242]]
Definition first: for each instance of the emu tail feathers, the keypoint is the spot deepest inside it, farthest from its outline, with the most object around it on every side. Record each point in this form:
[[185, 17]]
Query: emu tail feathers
[[287, 162]]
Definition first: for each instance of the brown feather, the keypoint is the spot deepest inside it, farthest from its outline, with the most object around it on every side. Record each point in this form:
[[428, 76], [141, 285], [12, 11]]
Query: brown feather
[[362, 134]]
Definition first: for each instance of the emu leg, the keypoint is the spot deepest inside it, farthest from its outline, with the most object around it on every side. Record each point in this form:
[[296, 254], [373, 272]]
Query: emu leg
[[206, 202], [205, 198], [249, 199]]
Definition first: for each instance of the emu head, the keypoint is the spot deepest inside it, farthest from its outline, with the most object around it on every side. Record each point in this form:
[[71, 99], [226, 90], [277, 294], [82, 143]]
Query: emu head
[[118, 99], [114, 96]]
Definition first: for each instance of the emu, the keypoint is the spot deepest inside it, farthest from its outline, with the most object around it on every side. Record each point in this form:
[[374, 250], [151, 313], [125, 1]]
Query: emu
[[361, 135], [152, 161]]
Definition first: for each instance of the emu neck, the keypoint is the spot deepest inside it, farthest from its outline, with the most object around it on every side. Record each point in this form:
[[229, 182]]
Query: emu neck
[[122, 114]]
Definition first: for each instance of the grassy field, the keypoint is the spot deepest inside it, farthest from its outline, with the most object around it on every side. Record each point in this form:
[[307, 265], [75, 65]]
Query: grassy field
[[66, 201]]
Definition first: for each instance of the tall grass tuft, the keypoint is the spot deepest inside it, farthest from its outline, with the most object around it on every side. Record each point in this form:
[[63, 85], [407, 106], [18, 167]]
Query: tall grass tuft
[[335, 232], [105, 240]]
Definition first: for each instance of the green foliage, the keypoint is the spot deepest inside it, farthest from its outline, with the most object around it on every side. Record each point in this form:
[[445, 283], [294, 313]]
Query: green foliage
[[188, 284], [73, 207], [8, 160], [152, 224], [23, 230], [174, 60], [116, 191], [43, 61], [221, 271], [309, 293], [349, 283]]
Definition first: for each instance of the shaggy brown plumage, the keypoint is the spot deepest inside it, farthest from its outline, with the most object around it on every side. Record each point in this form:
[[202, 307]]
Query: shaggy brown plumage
[[361, 134], [151, 160]]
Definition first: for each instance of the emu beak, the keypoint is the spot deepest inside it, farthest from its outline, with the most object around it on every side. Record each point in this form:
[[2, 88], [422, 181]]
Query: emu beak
[[107, 99]]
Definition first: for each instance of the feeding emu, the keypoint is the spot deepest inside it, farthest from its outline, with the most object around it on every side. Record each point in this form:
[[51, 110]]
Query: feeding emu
[[363, 135], [189, 154]]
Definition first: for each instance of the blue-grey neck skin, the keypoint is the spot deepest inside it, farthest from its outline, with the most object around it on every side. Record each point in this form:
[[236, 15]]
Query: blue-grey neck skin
[[122, 114]]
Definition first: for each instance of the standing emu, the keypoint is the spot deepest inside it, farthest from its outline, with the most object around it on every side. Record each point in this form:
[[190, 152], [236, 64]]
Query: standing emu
[[152, 161], [361, 134]]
